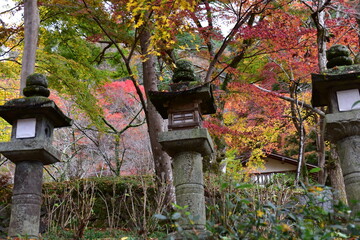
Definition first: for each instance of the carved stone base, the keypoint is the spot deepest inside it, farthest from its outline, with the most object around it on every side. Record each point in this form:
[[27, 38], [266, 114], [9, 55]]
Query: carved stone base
[[342, 125]]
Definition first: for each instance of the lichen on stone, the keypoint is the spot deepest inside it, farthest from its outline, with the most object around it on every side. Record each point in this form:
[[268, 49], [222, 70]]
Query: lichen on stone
[[338, 55], [343, 69], [36, 85]]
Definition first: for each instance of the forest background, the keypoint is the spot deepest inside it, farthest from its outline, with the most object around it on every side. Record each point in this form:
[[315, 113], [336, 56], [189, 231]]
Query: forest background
[[102, 57]]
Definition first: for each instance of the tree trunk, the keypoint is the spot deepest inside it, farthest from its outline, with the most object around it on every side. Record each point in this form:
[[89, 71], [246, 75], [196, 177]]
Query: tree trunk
[[357, 15], [301, 158], [320, 142], [336, 177], [154, 120], [31, 31]]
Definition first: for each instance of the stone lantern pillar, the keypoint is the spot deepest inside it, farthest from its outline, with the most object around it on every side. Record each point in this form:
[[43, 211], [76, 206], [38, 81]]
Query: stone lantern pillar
[[187, 142], [339, 89], [33, 120]]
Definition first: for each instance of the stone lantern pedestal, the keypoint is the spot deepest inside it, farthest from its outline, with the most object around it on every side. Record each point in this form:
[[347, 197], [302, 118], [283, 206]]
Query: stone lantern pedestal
[[187, 149], [33, 120], [343, 129]]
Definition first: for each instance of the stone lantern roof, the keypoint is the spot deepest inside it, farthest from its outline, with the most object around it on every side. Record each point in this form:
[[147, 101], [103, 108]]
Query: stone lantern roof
[[184, 89], [204, 93]]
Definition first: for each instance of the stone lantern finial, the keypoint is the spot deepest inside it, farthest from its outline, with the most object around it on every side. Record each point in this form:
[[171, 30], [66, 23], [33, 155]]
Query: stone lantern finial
[[36, 85], [184, 72], [338, 55]]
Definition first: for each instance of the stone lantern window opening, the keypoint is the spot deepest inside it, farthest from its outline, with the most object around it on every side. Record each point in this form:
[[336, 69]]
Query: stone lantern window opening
[[34, 126], [26, 128], [347, 99], [184, 116]]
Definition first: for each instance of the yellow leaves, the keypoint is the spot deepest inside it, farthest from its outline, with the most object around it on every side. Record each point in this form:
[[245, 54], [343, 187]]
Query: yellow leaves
[[285, 228], [139, 23], [186, 5], [259, 213], [164, 20], [315, 189], [229, 118], [130, 5]]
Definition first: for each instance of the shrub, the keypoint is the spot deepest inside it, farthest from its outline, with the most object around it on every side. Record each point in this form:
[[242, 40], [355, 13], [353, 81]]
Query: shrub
[[278, 211]]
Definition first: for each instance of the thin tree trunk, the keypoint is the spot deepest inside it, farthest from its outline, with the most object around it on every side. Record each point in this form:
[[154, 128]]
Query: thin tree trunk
[[155, 122], [320, 142], [31, 22], [319, 20], [118, 159], [336, 176], [301, 152], [318, 17], [357, 15]]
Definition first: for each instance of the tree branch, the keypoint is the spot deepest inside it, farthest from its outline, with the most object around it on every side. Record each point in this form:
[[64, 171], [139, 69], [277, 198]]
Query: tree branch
[[289, 99]]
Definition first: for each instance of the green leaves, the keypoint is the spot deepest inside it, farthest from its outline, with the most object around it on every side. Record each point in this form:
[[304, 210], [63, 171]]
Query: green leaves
[[315, 170], [80, 81]]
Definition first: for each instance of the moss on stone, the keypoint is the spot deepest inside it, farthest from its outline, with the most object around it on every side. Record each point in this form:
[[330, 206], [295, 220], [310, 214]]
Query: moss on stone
[[343, 69], [36, 90], [338, 55], [339, 61], [37, 79], [184, 72], [31, 101], [336, 51]]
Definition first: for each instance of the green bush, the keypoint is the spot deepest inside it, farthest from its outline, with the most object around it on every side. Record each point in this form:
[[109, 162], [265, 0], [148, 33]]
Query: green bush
[[274, 211], [129, 207], [278, 211]]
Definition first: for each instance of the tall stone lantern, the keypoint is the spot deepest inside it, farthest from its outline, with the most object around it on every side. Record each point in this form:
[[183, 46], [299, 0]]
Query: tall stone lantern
[[339, 89], [187, 142], [33, 120]]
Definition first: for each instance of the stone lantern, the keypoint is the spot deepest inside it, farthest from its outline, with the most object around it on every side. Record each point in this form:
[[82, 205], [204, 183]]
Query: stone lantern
[[187, 142], [338, 88], [33, 120]]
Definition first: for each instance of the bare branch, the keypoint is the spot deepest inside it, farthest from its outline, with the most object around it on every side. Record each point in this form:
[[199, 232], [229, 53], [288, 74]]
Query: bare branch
[[289, 99]]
